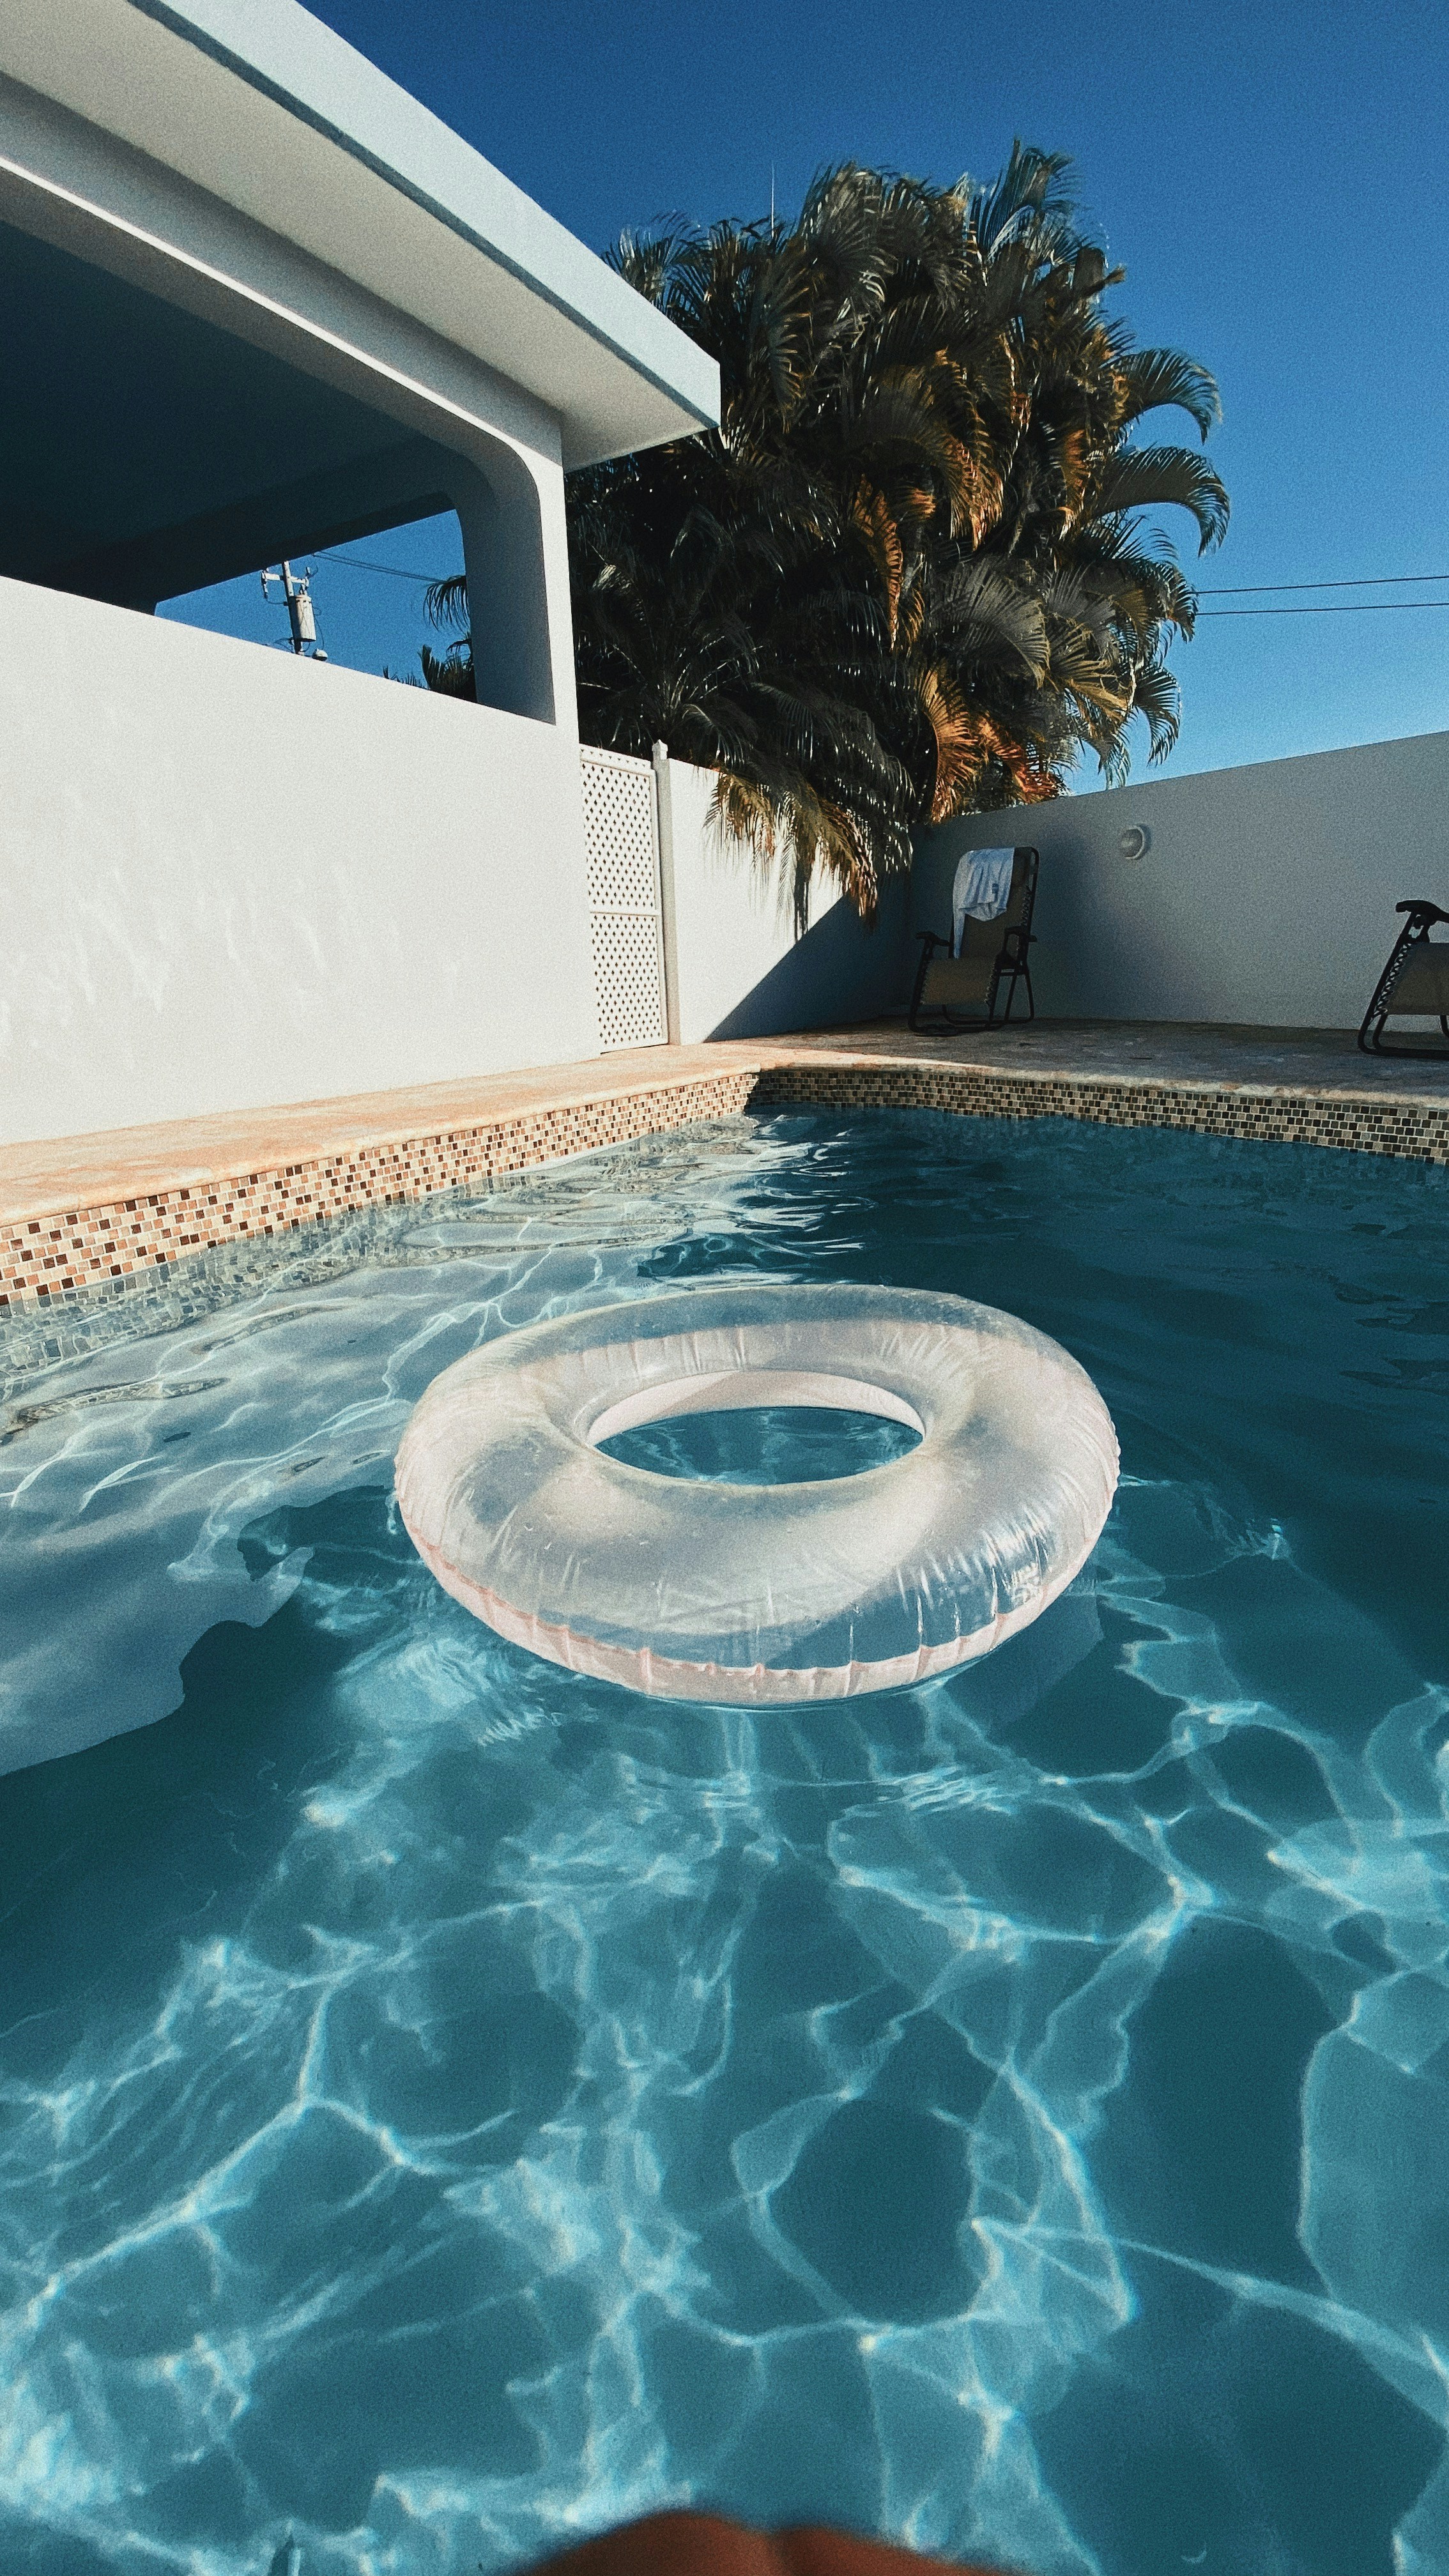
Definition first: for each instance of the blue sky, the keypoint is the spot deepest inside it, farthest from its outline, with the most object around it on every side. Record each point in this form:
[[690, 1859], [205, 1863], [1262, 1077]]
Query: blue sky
[[1272, 178]]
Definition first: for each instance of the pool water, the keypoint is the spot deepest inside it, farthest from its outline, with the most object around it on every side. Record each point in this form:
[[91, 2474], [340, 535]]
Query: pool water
[[448, 2106], [764, 1444]]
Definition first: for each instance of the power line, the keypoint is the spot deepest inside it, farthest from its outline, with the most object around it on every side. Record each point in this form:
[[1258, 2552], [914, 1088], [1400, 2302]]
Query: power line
[[1380, 581], [1232, 590], [1237, 590], [1336, 608], [397, 572]]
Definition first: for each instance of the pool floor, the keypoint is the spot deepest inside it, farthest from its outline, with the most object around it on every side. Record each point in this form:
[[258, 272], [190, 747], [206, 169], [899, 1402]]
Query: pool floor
[[448, 2106]]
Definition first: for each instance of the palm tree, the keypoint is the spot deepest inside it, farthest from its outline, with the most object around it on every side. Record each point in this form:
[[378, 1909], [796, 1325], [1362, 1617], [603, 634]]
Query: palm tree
[[908, 577]]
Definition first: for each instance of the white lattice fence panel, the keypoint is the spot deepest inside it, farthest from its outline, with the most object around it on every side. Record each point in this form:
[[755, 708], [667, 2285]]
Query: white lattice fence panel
[[619, 831], [621, 838], [626, 980]]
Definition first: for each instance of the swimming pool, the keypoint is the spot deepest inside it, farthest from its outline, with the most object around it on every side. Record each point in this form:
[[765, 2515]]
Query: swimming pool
[[449, 2105]]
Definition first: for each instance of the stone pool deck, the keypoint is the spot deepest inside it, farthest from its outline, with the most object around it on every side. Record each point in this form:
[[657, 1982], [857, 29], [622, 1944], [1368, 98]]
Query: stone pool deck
[[89, 1213]]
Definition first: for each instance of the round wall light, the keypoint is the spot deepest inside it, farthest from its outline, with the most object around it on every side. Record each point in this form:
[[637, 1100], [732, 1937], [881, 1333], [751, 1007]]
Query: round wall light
[[1135, 842]]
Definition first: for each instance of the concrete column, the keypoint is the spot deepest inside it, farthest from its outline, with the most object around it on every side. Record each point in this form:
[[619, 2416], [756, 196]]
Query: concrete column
[[508, 589]]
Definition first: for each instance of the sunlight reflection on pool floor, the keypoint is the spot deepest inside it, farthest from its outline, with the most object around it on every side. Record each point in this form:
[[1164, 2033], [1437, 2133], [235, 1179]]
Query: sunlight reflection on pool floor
[[449, 2106]]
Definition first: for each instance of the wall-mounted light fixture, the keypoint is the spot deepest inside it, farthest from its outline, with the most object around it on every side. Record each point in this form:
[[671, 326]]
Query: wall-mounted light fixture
[[1135, 842]]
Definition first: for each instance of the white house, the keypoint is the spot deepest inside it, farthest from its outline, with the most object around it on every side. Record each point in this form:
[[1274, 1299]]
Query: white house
[[254, 301]]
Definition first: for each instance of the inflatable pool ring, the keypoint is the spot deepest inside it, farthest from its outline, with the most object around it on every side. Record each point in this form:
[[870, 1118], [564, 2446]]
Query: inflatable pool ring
[[724, 1592]]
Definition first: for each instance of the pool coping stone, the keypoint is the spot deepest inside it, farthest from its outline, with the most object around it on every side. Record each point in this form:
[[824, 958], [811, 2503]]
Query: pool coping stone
[[83, 1216]]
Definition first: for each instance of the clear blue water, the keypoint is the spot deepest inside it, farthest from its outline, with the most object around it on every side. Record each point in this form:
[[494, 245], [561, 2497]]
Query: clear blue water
[[764, 1444], [447, 2106]]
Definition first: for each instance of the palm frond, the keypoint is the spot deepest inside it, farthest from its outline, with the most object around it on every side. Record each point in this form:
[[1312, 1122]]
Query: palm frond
[[1152, 478], [914, 571], [1157, 378], [445, 602]]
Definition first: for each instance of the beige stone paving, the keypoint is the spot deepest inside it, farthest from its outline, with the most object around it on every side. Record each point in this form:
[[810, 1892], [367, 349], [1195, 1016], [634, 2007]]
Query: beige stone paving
[[55, 1176], [98, 1212], [118, 1163], [1309, 1061]]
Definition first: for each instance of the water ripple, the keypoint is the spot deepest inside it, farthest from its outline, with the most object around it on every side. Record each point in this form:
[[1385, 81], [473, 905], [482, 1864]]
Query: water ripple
[[447, 2106]]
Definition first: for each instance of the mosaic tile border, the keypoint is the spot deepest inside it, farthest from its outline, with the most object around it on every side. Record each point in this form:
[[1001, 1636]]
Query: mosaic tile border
[[118, 1247], [1358, 1122], [115, 1248]]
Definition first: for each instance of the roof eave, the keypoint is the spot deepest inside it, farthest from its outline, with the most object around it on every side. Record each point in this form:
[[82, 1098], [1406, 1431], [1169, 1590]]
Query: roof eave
[[270, 111]]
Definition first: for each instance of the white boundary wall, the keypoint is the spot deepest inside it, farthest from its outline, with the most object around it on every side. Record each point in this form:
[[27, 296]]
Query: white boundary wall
[[735, 966], [1266, 896], [230, 879]]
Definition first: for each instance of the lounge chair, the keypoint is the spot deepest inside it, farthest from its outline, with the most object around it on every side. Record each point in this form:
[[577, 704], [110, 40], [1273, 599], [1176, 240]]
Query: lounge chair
[[965, 989], [1414, 984]]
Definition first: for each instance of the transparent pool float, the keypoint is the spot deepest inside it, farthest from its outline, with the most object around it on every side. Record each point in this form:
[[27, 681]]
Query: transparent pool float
[[740, 1593]]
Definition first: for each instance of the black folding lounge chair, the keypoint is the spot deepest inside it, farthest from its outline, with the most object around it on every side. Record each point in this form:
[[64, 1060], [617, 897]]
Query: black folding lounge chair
[[1414, 985], [966, 989]]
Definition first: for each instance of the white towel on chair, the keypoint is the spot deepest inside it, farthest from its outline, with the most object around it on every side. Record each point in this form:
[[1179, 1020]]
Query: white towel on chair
[[982, 890]]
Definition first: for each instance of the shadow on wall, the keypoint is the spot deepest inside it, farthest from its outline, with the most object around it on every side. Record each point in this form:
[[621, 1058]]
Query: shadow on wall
[[1262, 896], [838, 974]]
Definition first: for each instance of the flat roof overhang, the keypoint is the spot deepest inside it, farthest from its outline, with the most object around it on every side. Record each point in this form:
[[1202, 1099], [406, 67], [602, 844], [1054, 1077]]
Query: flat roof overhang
[[144, 451], [259, 105]]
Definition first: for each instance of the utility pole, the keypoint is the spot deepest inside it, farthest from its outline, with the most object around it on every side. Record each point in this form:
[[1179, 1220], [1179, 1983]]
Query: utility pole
[[301, 615]]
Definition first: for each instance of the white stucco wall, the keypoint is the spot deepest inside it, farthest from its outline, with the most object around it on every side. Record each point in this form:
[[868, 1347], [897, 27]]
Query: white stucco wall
[[229, 879], [739, 969], [1266, 897]]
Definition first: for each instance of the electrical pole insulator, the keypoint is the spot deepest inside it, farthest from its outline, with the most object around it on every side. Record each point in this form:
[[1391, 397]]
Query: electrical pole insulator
[[301, 615]]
